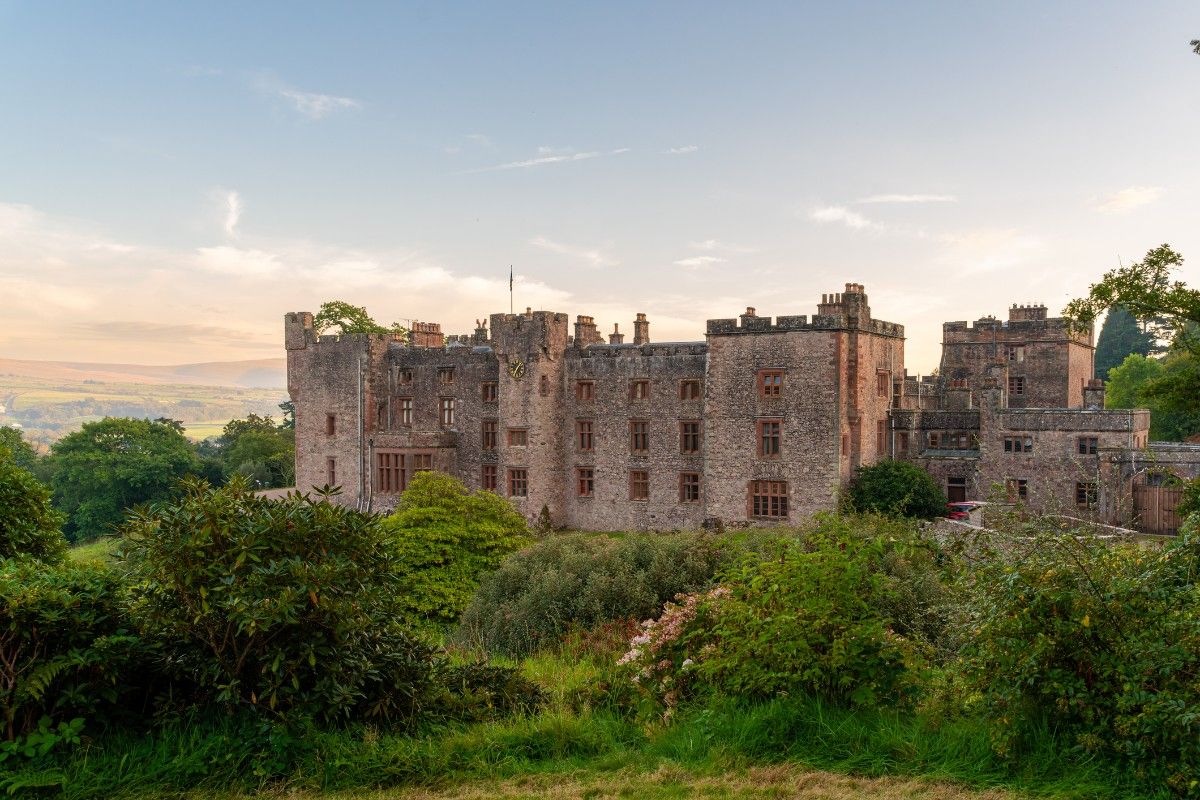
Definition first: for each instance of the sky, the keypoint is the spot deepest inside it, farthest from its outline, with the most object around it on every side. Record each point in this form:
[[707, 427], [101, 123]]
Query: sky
[[175, 177]]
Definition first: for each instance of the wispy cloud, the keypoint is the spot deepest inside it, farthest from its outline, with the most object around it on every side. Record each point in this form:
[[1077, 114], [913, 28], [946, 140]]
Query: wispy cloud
[[696, 262], [591, 256], [711, 245], [909, 198], [844, 216], [678, 151], [989, 250], [546, 155], [313, 105], [1126, 199], [233, 212]]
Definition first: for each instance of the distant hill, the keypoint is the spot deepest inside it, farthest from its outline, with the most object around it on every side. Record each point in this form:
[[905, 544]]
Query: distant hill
[[262, 373]]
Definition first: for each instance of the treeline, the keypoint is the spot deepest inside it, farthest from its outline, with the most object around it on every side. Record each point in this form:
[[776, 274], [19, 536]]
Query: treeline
[[109, 466]]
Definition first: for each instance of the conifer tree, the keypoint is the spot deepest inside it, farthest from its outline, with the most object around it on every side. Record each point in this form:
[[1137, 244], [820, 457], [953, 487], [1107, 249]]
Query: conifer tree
[[1120, 336]]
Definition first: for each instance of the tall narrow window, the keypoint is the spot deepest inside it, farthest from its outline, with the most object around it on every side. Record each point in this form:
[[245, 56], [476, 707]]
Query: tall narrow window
[[881, 443], [488, 477], [490, 436], [544, 386], [389, 472], [446, 414], [403, 411], [585, 481], [330, 424], [583, 434], [639, 390], [639, 435], [770, 382], [488, 392], [1085, 494], [331, 471], [769, 499], [1016, 385], [1089, 445], [518, 437], [585, 390], [689, 437], [639, 484], [883, 382], [902, 442], [689, 389], [769, 438], [689, 487], [518, 483]]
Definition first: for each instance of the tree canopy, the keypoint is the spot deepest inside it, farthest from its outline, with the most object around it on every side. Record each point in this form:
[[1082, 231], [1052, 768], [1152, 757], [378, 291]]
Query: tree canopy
[[1120, 336], [109, 466], [349, 318], [29, 527], [898, 489]]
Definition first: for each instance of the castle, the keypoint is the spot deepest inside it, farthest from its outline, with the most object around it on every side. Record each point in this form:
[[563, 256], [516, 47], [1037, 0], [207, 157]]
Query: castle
[[762, 422]]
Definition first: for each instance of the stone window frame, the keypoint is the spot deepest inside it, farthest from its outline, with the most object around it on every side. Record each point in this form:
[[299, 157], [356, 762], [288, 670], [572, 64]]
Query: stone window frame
[[488, 478], [1016, 353], [1018, 444], [1016, 489], [404, 376], [381, 416], [696, 437], [963, 486], [639, 434], [446, 376], [883, 383], [489, 392], [544, 386], [585, 435], [331, 471], [585, 481], [639, 389], [770, 382], [447, 408], [902, 441], [518, 482], [1087, 494], [404, 412], [421, 462], [585, 391], [769, 444], [767, 499], [881, 437], [391, 471], [490, 433], [1088, 445], [691, 389], [691, 481], [512, 436], [1016, 385], [639, 485], [330, 424]]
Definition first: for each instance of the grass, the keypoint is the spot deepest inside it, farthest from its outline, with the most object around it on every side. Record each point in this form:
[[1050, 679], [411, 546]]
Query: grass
[[96, 550], [199, 431]]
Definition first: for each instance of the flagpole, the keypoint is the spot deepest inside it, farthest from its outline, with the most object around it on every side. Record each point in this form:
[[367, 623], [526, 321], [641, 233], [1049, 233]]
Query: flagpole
[[510, 290]]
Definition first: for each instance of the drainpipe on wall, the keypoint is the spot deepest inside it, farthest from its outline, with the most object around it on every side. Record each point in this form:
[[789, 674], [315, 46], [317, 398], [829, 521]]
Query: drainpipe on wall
[[361, 431]]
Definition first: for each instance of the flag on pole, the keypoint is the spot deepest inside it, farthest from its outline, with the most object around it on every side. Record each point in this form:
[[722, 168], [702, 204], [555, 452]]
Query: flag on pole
[[510, 277]]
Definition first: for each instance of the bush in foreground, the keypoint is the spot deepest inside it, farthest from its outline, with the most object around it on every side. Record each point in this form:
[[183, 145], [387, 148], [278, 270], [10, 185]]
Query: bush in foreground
[[896, 488], [576, 581], [29, 527]]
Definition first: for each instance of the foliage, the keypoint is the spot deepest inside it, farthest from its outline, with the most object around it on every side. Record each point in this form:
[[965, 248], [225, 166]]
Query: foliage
[[29, 526], [350, 319], [283, 605], [111, 465], [446, 538], [1190, 504], [1129, 384], [1119, 337], [19, 451], [1101, 641], [288, 408], [896, 488], [581, 582], [811, 619], [63, 651]]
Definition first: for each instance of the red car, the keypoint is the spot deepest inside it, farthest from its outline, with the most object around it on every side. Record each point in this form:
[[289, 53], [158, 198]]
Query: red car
[[962, 510]]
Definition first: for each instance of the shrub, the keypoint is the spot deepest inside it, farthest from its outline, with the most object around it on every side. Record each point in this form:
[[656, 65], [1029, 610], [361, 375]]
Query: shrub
[[64, 654], [287, 605], [896, 488], [811, 619], [577, 581], [28, 525], [445, 538], [1101, 641]]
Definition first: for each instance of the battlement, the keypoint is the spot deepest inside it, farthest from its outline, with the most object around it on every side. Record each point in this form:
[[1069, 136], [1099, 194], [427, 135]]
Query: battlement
[[1021, 313], [1030, 323], [785, 324], [658, 349]]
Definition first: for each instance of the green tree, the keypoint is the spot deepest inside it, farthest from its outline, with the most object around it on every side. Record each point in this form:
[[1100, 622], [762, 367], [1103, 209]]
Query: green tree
[[258, 449], [107, 467], [1119, 336], [447, 538], [29, 526], [20, 452], [349, 318], [896, 488], [289, 414], [1130, 386]]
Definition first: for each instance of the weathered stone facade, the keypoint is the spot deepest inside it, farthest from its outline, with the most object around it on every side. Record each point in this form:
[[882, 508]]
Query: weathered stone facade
[[762, 422]]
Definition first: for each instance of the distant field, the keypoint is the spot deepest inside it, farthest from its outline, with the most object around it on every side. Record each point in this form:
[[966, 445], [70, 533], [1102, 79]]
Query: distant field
[[198, 431]]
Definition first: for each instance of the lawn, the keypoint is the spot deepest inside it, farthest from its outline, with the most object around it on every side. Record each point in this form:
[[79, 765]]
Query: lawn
[[96, 550]]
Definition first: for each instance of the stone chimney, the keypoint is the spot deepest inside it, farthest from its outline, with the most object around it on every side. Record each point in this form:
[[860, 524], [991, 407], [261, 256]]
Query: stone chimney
[[427, 334], [616, 337], [641, 330], [481, 332], [1093, 395], [585, 332]]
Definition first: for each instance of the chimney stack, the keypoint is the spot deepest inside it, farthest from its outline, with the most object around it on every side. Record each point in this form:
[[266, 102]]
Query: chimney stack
[[641, 330], [616, 337]]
